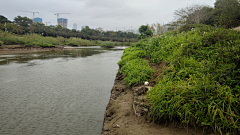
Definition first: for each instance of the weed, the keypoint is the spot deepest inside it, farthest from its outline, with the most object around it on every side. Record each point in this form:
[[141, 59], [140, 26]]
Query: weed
[[200, 86]]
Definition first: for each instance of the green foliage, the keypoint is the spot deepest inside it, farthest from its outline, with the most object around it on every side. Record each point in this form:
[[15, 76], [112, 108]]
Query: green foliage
[[200, 85], [131, 53], [24, 25], [22, 21], [133, 67], [226, 11], [1, 43], [13, 28], [34, 39], [107, 44], [79, 42], [3, 19], [189, 27], [136, 71], [145, 32]]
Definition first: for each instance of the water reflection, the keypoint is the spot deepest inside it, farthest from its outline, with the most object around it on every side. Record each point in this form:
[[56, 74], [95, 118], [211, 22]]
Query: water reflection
[[65, 94], [24, 58]]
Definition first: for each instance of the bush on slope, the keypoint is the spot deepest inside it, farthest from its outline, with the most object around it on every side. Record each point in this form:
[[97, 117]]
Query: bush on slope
[[200, 86]]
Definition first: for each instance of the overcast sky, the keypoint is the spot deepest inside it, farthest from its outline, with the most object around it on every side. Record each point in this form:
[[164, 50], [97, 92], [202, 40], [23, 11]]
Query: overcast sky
[[107, 14]]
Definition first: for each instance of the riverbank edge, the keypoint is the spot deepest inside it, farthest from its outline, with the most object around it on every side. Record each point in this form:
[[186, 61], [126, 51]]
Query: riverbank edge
[[127, 113], [14, 49]]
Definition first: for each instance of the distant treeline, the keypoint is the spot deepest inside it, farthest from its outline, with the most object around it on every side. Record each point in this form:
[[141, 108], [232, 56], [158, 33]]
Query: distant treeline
[[24, 25]]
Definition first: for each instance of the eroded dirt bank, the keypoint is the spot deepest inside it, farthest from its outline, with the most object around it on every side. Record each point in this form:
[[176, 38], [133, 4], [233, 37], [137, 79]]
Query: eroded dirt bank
[[13, 49], [126, 114]]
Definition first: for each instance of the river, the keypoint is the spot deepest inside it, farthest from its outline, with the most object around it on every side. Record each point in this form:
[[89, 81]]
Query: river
[[56, 92]]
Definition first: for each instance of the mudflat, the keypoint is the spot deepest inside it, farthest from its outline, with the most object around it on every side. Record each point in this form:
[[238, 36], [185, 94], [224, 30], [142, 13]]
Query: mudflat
[[14, 49]]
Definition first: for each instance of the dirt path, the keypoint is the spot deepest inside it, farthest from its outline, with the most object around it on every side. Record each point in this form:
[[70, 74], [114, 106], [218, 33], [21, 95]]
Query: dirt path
[[121, 114]]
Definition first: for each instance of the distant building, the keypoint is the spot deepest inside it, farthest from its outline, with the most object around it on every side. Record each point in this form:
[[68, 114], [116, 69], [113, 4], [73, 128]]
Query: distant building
[[75, 26], [62, 22], [83, 27], [35, 20]]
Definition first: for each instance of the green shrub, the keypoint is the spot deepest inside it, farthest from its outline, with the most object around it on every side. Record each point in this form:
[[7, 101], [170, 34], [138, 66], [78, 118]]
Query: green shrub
[[1, 43], [79, 42], [108, 44], [131, 53], [189, 27], [201, 85], [136, 71]]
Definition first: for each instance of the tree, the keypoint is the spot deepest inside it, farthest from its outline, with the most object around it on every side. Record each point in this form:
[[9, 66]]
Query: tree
[[4, 19], [22, 21], [226, 11], [145, 32], [193, 14], [11, 28]]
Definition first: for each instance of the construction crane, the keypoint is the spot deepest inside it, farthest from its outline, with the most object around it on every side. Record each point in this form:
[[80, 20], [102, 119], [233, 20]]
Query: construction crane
[[46, 23], [58, 16], [30, 12]]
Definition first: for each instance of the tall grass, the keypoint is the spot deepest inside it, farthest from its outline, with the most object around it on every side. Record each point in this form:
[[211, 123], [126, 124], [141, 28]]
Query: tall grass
[[135, 69], [38, 40], [200, 85], [107, 44], [79, 42]]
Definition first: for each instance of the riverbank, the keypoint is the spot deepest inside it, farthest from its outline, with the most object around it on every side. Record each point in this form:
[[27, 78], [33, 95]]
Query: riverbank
[[127, 111], [13, 49]]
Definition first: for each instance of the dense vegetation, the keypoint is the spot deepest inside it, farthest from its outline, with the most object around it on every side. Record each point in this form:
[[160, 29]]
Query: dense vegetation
[[200, 85], [225, 13], [24, 25], [38, 40]]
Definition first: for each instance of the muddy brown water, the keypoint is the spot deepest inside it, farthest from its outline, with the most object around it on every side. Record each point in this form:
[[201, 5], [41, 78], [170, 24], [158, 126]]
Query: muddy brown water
[[56, 92]]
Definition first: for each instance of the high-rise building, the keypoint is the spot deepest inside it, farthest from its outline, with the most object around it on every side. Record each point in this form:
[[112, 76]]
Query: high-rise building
[[62, 22], [35, 20], [75, 26]]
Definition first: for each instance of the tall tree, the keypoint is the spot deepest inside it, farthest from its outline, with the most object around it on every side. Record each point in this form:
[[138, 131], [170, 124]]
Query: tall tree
[[22, 21], [3, 19], [192, 14], [226, 11], [145, 32]]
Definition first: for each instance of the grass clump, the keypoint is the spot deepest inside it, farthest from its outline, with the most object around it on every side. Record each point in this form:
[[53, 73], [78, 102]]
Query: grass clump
[[79, 42], [131, 53], [107, 44], [137, 71], [200, 85], [134, 67]]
